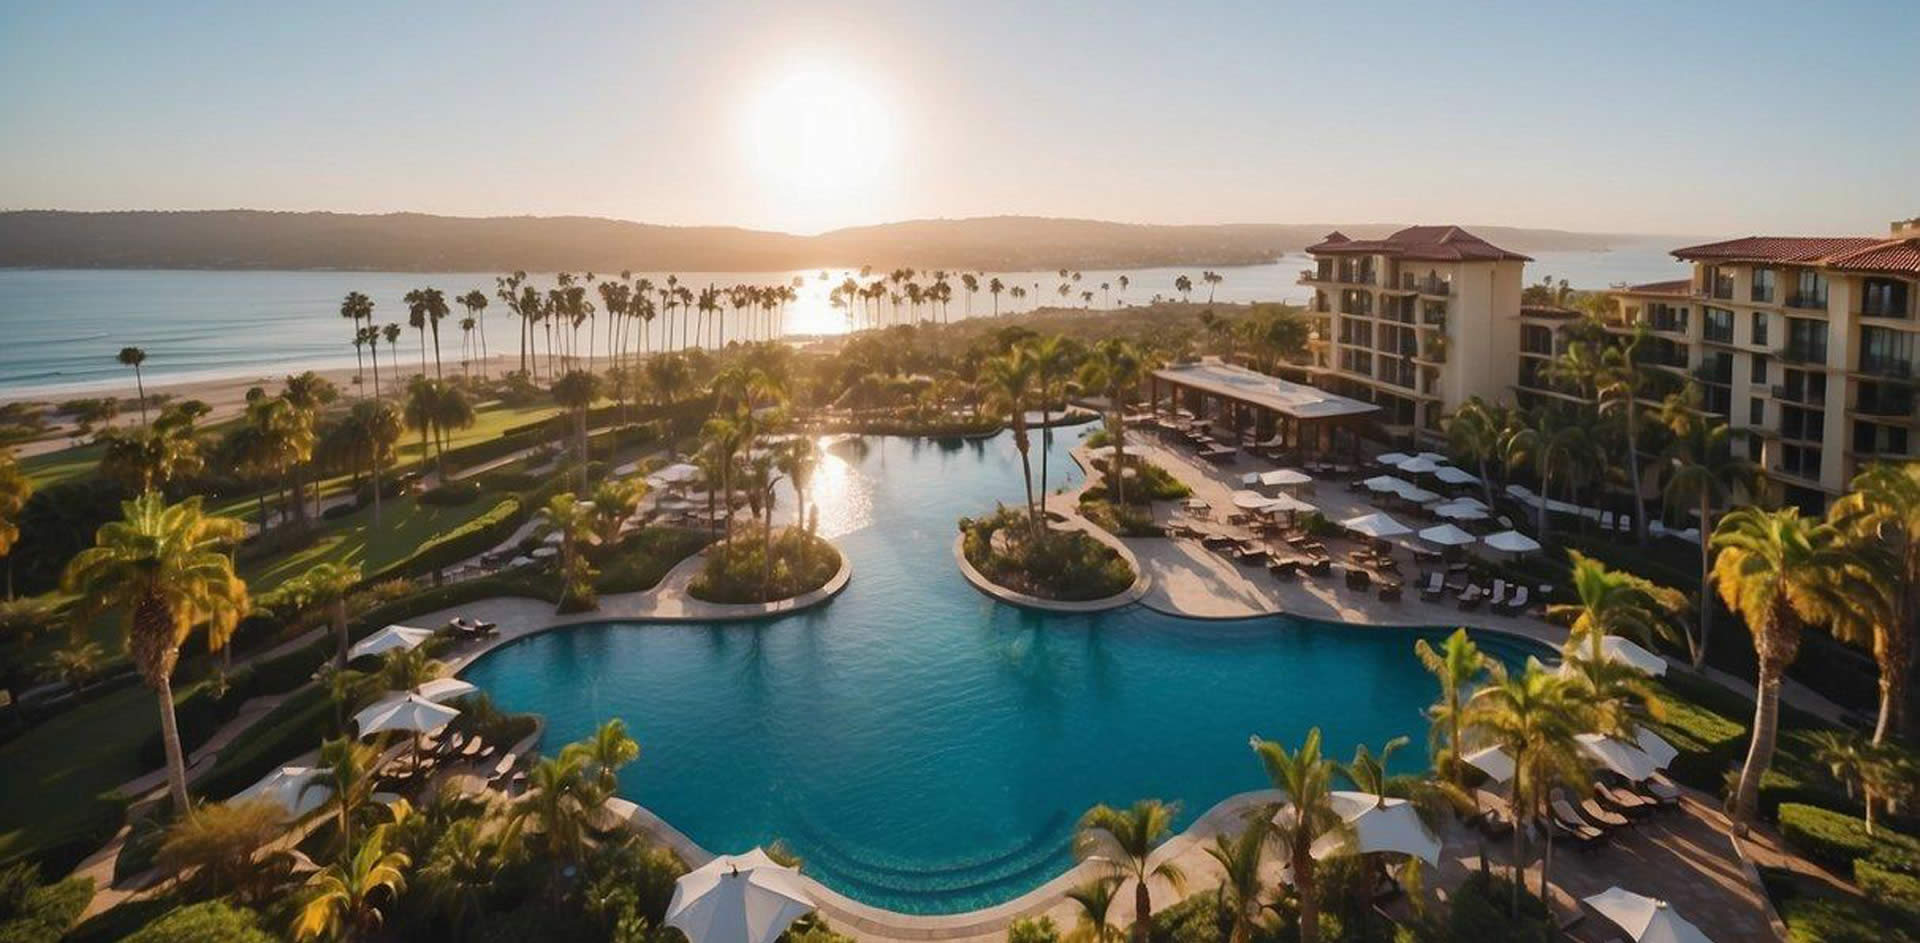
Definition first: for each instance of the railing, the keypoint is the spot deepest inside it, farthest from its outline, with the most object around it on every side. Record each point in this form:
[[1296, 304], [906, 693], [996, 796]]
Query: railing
[[1762, 296], [1883, 311], [1808, 302], [1434, 286], [1886, 367], [1716, 335], [1708, 374], [1801, 395], [1798, 352], [1885, 404]]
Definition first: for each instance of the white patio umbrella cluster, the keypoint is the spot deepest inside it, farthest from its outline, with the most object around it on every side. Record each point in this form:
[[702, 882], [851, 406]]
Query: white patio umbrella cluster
[[1447, 535], [1386, 483], [1644, 919], [1286, 504], [391, 638], [1378, 824], [292, 788], [1615, 648], [1512, 541], [1419, 465], [1450, 475], [1392, 459], [746, 898], [408, 713], [1618, 756], [678, 473], [441, 690], [1459, 511]]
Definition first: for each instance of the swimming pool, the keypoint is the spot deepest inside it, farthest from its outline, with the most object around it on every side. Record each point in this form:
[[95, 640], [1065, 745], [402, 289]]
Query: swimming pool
[[926, 749]]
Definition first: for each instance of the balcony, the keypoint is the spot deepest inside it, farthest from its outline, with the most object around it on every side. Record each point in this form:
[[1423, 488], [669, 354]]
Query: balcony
[[1807, 302], [1721, 374], [1884, 310], [1888, 367], [1886, 403], [1308, 275], [1801, 395], [1432, 286], [1801, 352]]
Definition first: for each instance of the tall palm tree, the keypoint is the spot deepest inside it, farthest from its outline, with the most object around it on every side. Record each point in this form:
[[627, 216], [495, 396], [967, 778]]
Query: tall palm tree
[[1008, 384], [560, 799], [1241, 886], [327, 586], [1614, 602], [1183, 285], [994, 288], [573, 520], [167, 570], [603, 754], [576, 393], [1124, 282], [798, 461], [1095, 899], [150, 458], [1779, 571], [1883, 510], [1306, 778], [1702, 469], [1053, 357], [1115, 367], [725, 438], [1457, 665], [1213, 280], [370, 430], [134, 357], [1533, 717], [346, 772], [392, 333], [344, 900], [1125, 839], [1475, 431], [354, 308], [475, 302]]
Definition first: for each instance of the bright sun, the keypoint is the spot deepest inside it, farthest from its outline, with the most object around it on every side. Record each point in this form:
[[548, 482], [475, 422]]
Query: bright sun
[[817, 136]]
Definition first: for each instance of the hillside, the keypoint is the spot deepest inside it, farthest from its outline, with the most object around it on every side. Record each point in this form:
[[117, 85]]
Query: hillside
[[249, 239]]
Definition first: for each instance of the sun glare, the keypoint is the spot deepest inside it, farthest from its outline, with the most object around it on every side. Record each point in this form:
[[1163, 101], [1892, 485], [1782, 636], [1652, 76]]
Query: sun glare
[[817, 136]]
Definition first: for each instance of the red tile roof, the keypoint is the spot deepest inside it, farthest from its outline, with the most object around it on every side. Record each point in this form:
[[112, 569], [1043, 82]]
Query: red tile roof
[[1678, 286], [1775, 248], [1893, 255], [1424, 243], [1548, 311]]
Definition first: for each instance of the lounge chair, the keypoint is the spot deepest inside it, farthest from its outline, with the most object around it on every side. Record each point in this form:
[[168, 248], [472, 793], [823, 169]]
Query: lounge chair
[[1663, 791], [1470, 598], [1320, 566], [1389, 592], [1499, 598], [1583, 836], [1435, 588], [1599, 815], [1624, 801], [1284, 569], [1516, 604], [1358, 579]]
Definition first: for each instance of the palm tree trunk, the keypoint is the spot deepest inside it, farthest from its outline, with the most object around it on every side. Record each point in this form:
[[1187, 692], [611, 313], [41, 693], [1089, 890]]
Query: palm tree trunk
[[436, 350], [1706, 577], [340, 630], [1303, 881], [170, 737], [1142, 911], [1519, 831], [1119, 461], [1633, 478], [141, 385], [1766, 719]]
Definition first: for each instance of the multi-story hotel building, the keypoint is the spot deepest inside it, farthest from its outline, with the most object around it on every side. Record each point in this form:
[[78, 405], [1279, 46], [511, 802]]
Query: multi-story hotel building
[[1805, 345], [1416, 322]]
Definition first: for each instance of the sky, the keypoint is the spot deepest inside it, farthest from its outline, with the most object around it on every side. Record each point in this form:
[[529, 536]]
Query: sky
[[1695, 117]]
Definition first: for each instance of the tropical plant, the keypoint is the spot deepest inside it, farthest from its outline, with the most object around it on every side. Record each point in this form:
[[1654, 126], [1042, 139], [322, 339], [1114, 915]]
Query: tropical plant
[[1241, 887], [426, 307], [1778, 571], [1456, 666], [1883, 511], [153, 456], [1095, 898], [346, 771], [326, 587], [1614, 602], [574, 521], [1475, 431], [1305, 777], [15, 490], [222, 848], [166, 570], [134, 357], [1880, 774], [1124, 840], [1009, 384], [602, 754], [1534, 718], [575, 392], [1703, 470], [1115, 367], [345, 900], [355, 307], [368, 433]]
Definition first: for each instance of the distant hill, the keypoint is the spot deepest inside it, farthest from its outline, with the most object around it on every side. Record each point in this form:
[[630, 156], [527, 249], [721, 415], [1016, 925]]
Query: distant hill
[[250, 239]]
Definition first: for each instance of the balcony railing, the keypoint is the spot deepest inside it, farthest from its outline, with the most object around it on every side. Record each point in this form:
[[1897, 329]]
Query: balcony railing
[[1708, 373], [1807, 302], [1883, 310], [1799, 394], [1801, 352], [1887, 367], [1884, 403]]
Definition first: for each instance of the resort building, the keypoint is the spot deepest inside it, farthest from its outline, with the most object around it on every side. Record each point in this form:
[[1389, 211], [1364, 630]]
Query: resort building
[[1416, 322], [1279, 413], [1804, 344]]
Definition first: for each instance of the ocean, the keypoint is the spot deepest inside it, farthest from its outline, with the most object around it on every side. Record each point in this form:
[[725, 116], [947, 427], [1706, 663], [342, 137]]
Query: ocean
[[64, 327]]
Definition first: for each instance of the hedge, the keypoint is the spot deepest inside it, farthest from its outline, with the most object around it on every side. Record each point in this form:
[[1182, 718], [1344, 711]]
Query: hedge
[[210, 921], [43, 914], [297, 725], [1889, 889], [1835, 840], [475, 537], [1837, 920]]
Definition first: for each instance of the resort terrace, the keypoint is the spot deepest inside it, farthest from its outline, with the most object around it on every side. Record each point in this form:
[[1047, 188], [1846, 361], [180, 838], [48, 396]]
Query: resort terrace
[[1282, 411]]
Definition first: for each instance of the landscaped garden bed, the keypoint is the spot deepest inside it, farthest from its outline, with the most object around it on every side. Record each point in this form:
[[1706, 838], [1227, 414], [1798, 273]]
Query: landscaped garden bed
[[1063, 566], [752, 569]]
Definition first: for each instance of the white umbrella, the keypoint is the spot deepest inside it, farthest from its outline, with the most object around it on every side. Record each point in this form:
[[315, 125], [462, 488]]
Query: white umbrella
[[1512, 541], [1376, 525], [441, 690], [1418, 495], [1250, 479], [1492, 761], [1386, 483], [1456, 511], [1454, 476], [1389, 825], [1467, 500], [1286, 504], [1285, 478], [1645, 919], [738, 899], [1392, 458], [1660, 751], [287, 787], [1434, 457], [675, 474], [1249, 500], [1622, 758], [1419, 465], [521, 560], [388, 639], [1447, 535], [1615, 648], [410, 713]]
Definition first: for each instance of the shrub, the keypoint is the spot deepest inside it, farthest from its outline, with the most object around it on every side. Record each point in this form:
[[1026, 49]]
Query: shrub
[[1835, 840], [740, 573], [1123, 521], [641, 559], [1890, 889], [1061, 565], [451, 494], [474, 537], [210, 921], [34, 913], [1149, 481], [1033, 930], [335, 512], [1836, 920], [298, 724]]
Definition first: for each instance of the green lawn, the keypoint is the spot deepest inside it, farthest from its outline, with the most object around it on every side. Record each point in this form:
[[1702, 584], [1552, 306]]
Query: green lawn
[[405, 524], [51, 468], [56, 772]]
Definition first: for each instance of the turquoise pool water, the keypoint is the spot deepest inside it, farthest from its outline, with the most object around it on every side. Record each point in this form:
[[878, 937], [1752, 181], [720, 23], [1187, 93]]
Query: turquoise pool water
[[925, 749]]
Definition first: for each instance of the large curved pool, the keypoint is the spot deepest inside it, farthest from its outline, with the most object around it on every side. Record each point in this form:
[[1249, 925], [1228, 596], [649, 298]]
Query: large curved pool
[[926, 749]]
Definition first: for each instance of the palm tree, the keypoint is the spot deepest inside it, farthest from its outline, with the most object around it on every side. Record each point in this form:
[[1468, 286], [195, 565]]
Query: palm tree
[[724, 438], [1184, 286], [1115, 367], [1614, 602], [1779, 571], [1306, 778], [1475, 431], [344, 900], [150, 458], [1125, 839], [1124, 282], [1241, 886], [1213, 279], [475, 302], [1052, 363], [74, 665], [798, 461], [1704, 469], [994, 288], [166, 570], [576, 393], [1881, 773], [16, 489], [355, 307], [134, 357], [328, 585], [559, 801], [369, 431], [1456, 665], [1533, 717], [1008, 384], [466, 863], [392, 333], [1095, 898], [346, 772], [1883, 509], [604, 753]]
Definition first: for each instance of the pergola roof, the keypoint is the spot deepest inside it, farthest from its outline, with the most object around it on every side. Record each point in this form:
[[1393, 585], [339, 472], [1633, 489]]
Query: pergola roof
[[1296, 400]]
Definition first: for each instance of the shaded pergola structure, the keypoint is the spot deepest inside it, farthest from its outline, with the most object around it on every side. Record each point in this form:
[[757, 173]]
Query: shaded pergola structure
[[1230, 396]]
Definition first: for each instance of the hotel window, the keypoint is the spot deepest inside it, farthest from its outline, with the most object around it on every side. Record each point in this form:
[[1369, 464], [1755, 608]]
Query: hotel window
[[1806, 340], [1759, 330], [1762, 285], [1810, 290], [1536, 339], [1757, 375], [1717, 325], [1756, 412], [1872, 439], [1719, 282], [1886, 352], [1884, 298], [1806, 425]]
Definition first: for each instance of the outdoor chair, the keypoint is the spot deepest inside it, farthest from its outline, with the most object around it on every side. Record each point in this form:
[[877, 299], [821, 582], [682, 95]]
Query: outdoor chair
[[1599, 815], [1470, 598], [1624, 801], [1320, 566], [1389, 592], [1499, 598], [1585, 837], [1517, 604], [1358, 579], [1284, 569], [1435, 587], [1663, 791]]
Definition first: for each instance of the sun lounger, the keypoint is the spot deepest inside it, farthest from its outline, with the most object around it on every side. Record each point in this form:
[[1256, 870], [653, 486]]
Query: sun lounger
[[1663, 791], [1517, 604], [1584, 836], [1599, 815], [1435, 587], [1284, 569], [1389, 592], [1470, 598], [1499, 597], [1358, 579], [1320, 566], [1621, 800]]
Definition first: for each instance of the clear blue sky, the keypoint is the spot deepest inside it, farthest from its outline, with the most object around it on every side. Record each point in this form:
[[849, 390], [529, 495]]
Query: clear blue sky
[[1673, 117]]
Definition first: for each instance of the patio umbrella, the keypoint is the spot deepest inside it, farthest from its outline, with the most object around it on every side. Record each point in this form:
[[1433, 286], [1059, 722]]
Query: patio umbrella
[[1622, 758], [1285, 478], [1615, 648], [409, 713], [1287, 504], [1492, 761], [441, 690], [1249, 500], [1447, 535], [1392, 458], [1386, 483], [1434, 457], [1418, 495], [1660, 751], [1378, 825], [1467, 500], [1512, 541], [1645, 919], [738, 899], [1456, 511], [1419, 465], [542, 553], [1376, 525], [1250, 479], [287, 787], [1454, 476], [388, 639]]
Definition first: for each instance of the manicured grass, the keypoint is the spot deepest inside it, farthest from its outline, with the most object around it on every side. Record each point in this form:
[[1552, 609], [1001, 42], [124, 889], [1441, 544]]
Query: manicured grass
[[489, 420], [405, 524], [56, 772], [51, 468]]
